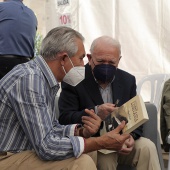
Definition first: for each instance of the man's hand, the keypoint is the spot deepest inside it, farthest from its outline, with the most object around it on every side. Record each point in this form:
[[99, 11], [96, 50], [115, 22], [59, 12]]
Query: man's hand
[[128, 146], [91, 123], [113, 140], [105, 109]]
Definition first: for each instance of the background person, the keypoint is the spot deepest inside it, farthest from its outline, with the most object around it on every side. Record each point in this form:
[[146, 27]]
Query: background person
[[104, 84], [165, 115], [18, 26], [31, 136]]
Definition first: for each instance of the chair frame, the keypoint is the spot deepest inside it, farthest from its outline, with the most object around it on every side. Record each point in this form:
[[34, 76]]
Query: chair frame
[[156, 84]]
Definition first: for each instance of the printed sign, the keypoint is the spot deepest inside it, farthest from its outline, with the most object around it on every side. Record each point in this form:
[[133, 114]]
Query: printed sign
[[63, 2], [65, 19]]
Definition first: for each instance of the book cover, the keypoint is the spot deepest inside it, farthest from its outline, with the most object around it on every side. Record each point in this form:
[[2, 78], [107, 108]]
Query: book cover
[[133, 112]]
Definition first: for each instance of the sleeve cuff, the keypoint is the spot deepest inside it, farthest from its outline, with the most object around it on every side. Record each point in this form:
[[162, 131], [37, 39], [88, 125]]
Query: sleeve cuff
[[78, 144], [96, 109]]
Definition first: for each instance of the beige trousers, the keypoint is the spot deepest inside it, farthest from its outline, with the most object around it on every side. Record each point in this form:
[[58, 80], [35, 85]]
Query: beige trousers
[[143, 157], [28, 160]]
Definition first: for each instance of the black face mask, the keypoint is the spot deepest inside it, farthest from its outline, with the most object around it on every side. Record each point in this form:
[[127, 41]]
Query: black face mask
[[104, 73]]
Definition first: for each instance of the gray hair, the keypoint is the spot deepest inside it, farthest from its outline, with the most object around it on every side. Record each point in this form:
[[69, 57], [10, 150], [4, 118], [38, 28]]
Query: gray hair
[[107, 40], [58, 40]]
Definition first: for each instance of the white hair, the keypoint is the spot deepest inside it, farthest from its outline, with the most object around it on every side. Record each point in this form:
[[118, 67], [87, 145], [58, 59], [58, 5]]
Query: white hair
[[107, 40]]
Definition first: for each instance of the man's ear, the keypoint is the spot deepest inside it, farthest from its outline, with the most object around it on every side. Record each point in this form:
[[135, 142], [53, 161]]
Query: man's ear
[[118, 61], [62, 57]]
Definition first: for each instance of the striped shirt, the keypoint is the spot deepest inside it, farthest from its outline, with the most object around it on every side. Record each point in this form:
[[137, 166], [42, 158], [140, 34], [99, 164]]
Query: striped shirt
[[28, 115]]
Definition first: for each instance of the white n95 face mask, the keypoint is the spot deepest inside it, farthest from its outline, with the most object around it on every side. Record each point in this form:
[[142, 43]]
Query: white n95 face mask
[[75, 75]]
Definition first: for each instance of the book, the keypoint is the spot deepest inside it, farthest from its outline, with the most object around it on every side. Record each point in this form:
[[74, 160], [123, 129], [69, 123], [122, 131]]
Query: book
[[133, 112]]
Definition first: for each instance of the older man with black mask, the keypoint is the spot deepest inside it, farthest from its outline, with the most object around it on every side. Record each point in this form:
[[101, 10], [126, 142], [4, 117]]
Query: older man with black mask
[[105, 84]]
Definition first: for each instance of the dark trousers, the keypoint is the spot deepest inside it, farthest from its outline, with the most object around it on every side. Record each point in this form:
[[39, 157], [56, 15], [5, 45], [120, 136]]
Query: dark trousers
[[8, 62]]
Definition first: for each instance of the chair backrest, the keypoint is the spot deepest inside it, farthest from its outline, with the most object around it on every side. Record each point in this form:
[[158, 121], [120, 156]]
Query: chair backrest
[[150, 130], [156, 82]]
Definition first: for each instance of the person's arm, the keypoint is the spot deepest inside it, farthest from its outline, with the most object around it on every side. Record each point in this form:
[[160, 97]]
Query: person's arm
[[104, 110], [111, 140], [33, 105], [91, 125], [69, 105]]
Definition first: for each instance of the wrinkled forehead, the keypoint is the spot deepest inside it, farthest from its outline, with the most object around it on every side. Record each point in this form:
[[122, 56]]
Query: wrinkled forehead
[[105, 47], [106, 53]]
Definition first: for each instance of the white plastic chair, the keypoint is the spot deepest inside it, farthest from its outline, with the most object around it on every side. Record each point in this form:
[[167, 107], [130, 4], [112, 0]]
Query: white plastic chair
[[156, 82], [156, 85]]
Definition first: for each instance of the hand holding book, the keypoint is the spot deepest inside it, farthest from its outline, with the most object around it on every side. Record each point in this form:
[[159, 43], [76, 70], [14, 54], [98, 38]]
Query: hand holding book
[[113, 140], [104, 110], [133, 112]]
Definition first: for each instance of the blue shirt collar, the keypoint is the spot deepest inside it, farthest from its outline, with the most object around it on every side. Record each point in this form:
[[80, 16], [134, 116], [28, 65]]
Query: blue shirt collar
[[46, 71]]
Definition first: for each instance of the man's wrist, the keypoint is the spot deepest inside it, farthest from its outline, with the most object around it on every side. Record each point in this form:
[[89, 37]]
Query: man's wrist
[[92, 144], [77, 129], [81, 131]]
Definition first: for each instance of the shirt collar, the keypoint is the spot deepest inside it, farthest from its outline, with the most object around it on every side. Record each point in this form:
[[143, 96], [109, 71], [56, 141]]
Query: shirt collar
[[46, 71], [107, 87]]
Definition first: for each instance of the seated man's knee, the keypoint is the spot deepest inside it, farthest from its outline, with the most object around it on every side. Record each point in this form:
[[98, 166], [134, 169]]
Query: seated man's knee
[[86, 162], [145, 145]]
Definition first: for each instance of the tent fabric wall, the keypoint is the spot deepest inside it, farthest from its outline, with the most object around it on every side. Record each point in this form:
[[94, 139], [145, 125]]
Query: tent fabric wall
[[96, 18], [141, 26]]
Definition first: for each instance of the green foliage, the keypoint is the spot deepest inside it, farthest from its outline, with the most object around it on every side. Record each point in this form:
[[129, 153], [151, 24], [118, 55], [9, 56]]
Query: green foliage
[[38, 40]]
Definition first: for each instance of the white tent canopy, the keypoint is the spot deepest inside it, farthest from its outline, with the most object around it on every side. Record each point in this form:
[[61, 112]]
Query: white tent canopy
[[141, 26]]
